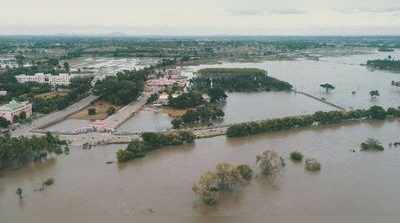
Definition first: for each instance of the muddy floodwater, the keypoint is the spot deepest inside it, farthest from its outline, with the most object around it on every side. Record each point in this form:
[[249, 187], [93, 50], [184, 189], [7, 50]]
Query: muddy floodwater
[[344, 72], [350, 183]]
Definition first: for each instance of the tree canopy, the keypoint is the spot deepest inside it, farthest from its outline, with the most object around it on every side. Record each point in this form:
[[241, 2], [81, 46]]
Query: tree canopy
[[237, 80], [121, 89]]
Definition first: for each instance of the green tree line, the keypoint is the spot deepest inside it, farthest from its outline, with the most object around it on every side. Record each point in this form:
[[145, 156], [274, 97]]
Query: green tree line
[[152, 141], [18, 151], [323, 118]]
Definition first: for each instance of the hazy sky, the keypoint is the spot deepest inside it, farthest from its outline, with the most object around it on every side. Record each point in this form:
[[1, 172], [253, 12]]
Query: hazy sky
[[201, 17]]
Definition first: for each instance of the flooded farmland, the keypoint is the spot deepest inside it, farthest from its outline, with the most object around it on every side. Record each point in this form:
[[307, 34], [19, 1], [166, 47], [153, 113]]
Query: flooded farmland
[[160, 184]]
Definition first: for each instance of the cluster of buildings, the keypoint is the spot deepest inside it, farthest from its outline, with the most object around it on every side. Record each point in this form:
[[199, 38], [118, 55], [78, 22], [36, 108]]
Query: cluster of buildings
[[171, 77], [14, 109], [54, 80]]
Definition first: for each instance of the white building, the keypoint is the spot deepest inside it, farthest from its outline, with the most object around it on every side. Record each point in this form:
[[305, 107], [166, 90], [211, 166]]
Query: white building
[[61, 79], [3, 93], [13, 108]]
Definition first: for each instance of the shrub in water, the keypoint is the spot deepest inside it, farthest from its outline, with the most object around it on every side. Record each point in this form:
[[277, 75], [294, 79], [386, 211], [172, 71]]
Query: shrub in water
[[296, 156], [372, 144], [312, 165], [245, 171]]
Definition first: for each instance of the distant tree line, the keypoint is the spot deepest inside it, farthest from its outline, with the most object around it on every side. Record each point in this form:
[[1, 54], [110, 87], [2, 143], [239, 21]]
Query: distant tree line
[[237, 80], [322, 118], [384, 64], [152, 141], [16, 152]]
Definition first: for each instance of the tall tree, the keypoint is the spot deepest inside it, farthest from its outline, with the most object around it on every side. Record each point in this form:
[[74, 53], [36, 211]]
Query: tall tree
[[20, 59], [67, 67], [327, 87]]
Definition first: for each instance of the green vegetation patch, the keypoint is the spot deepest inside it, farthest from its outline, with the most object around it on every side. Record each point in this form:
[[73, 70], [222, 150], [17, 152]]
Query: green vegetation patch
[[200, 115], [372, 145], [152, 141], [237, 80], [16, 152], [320, 118], [296, 156]]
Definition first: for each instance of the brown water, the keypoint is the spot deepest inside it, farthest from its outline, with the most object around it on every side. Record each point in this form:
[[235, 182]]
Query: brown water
[[345, 73], [361, 183]]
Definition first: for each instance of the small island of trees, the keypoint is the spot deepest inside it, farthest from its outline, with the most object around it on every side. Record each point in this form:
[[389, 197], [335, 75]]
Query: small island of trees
[[385, 64], [237, 80]]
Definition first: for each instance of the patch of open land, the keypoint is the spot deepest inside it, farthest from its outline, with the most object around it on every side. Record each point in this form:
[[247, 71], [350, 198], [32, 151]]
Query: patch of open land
[[101, 111], [173, 112]]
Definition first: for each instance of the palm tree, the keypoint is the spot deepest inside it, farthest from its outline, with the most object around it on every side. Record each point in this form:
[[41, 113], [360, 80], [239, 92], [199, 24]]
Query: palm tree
[[327, 87]]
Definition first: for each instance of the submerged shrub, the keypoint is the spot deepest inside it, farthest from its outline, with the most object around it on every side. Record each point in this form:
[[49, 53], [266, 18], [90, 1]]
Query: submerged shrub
[[48, 182], [372, 144], [245, 171], [296, 156], [312, 165]]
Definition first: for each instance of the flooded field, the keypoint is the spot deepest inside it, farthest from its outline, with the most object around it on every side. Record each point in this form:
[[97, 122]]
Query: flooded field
[[350, 184]]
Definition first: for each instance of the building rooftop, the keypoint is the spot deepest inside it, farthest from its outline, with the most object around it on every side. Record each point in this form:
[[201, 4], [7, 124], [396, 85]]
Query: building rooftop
[[13, 105]]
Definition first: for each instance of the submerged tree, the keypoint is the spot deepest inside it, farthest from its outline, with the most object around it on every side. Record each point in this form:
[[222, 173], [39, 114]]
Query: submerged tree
[[327, 87], [312, 165], [226, 178], [19, 192], [270, 162], [374, 93]]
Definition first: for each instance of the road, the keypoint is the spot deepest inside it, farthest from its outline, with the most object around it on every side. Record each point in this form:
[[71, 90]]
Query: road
[[55, 117], [122, 115]]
